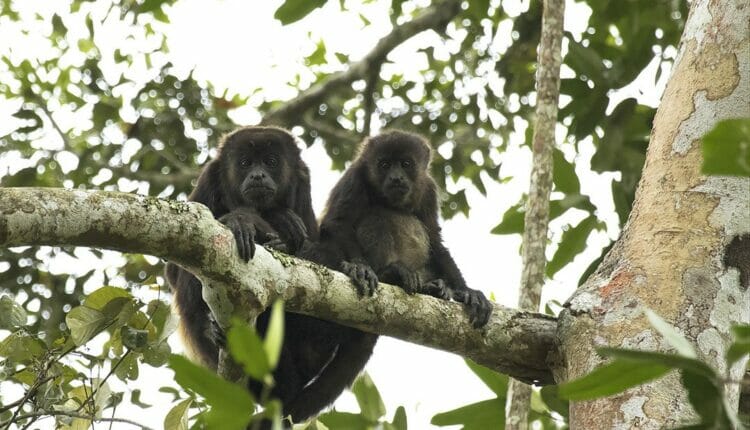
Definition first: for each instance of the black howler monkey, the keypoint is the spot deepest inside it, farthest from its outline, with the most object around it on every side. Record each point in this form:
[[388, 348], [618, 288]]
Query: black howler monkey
[[382, 216], [259, 187], [381, 221]]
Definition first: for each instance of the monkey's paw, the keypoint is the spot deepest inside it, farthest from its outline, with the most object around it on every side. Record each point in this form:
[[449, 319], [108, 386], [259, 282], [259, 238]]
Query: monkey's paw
[[478, 307], [437, 288], [290, 226], [244, 234], [275, 242], [363, 277]]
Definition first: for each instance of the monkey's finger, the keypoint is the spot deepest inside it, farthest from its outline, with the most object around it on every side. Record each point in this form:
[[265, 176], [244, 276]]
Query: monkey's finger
[[251, 250], [373, 284]]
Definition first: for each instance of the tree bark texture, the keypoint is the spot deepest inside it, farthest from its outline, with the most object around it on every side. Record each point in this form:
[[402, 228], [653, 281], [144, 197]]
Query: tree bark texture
[[536, 218], [515, 343], [680, 252]]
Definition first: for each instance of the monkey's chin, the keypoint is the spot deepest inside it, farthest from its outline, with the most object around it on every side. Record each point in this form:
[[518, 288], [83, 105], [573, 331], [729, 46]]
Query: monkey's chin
[[259, 197], [397, 196]]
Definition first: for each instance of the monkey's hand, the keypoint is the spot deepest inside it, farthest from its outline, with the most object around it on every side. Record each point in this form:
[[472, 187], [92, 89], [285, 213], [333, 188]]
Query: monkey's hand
[[400, 275], [437, 288], [290, 227], [277, 243], [244, 233], [362, 275], [478, 307]]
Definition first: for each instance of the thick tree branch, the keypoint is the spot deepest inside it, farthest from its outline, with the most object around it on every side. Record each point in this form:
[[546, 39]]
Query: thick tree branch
[[434, 18], [516, 343]]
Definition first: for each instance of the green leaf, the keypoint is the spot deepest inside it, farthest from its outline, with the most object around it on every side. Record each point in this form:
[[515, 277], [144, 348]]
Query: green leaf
[[584, 60], [707, 398], [669, 360], [726, 148], [247, 349], [399, 419], [177, 417], [551, 397], [134, 338], [343, 58], [487, 414], [496, 382], [85, 323], [12, 315], [294, 10], [156, 355], [135, 398], [345, 420], [151, 5], [513, 222], [21, 347], [737, 350], [162, 317], [368, 398], [612, 378], [564, 174], [274, 334], [99, 298], [57, 25], [231, 405], [671, 334], [318, 56], [572, 243], [128, 368]]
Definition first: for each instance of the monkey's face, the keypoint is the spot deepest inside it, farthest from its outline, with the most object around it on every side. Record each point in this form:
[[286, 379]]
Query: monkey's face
[[258, 167], [394, 176], [396, 164]]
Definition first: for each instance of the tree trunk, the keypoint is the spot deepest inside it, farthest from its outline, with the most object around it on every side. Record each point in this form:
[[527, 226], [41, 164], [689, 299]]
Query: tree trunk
[[683, 231], [536, 218]]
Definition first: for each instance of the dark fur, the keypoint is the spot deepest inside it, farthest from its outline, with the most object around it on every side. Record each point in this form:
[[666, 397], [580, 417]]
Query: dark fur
[[267, 202], [383, 217], [383, 223]]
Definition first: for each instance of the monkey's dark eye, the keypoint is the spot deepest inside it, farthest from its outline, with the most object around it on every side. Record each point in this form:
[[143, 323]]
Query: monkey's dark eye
[[245, 162], [271, 161], [406, 164], [384, 164]]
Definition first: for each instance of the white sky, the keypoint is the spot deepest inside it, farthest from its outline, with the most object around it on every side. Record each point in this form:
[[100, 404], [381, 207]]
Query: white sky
[[237, 45]]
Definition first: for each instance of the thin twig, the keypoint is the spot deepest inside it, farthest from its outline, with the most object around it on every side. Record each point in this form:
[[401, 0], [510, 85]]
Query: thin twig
[[49, 414]]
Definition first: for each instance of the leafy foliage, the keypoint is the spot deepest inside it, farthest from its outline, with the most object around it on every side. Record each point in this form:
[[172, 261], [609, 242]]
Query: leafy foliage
[[726, 148], [547, 409], [371, 415], [56, 373]]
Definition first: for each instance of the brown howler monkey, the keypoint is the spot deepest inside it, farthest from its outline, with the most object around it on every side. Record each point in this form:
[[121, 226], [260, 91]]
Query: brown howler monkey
[[259, 187], [382, 216]]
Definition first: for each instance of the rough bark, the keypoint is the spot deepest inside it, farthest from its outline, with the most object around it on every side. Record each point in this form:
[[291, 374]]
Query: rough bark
[[515, 343], [684, 228], [536, 218]]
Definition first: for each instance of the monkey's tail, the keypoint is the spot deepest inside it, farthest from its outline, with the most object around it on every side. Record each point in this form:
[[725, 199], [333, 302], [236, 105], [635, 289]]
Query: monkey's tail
[[339, 374]]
